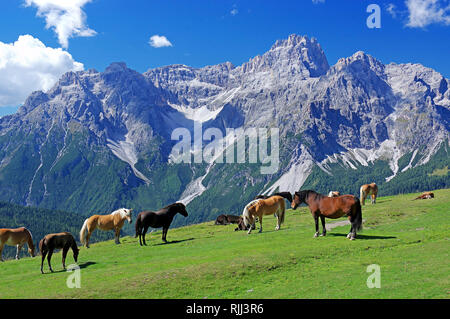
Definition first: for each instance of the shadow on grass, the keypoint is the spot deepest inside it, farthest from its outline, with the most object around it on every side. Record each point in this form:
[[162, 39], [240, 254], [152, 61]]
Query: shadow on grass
[[360, 236], [82, 266], [173, 242]]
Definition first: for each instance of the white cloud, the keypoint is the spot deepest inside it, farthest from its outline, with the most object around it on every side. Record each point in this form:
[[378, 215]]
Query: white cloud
[[424, 12], [159, 41], [318, 1], [234, 12], [392, 10], [65, 17], [28, 65]]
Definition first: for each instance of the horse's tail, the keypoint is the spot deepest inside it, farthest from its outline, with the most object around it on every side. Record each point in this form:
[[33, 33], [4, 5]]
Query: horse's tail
[[138, 226], [361, 195], [42, 245], [83, 232], [356, 218]]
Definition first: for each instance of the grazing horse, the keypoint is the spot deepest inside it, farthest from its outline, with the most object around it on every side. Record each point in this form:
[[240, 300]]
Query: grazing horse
[[286, 195], [260, 207], [162, 218], [331, 207], [113, 221], [227, 219], [16, 237], [334, 194], [366, 190], [62, 241]]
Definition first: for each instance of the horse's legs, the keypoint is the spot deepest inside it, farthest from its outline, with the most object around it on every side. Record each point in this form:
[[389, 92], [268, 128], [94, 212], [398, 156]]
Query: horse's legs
[[316, 220], [49, 257], [44, 253], [1, 251], [324, 230], [144, 231], [64, 254], [19, 247], [164, 234], [88, 236], [373, 198], [117, 234], [350, 233]]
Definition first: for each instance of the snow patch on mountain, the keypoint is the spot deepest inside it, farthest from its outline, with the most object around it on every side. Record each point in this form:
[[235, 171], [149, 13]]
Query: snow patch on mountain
[[126, 151]]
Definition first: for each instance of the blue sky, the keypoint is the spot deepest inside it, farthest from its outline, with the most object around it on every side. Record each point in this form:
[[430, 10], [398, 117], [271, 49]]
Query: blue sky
[[209, 32]]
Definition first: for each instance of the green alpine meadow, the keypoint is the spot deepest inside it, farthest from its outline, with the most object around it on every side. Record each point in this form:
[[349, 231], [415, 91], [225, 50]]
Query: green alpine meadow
[[407, 239]]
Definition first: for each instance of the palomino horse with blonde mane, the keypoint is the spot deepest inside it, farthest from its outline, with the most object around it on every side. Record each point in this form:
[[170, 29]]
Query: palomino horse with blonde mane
[[273, 205], [331, 207], [366, 190], [16, 237], [113, 221]]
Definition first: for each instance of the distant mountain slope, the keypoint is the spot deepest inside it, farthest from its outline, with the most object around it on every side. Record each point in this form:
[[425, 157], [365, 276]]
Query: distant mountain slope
[[97, 141]]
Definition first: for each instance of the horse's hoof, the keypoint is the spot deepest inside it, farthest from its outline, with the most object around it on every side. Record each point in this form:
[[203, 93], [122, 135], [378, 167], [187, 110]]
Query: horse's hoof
[[352, 238], [322, 235], [316, 235], [349, 235]]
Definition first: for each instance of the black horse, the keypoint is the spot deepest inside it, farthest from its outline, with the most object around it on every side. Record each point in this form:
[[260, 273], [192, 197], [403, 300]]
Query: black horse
[[286, 195], [162, 218], [63, 241]]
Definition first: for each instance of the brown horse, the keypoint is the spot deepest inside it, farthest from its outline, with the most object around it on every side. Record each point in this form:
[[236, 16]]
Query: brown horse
[[425, 195], [62, 241], [260, 207], [331, 207], [366, 190], [113, 221], [162, 218], [16, 237]]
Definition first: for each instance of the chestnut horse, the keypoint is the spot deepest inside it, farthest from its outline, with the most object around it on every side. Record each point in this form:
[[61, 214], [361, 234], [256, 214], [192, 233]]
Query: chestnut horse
[[162, 218], [331, 207], [62, 241], [366, 190], [113, 221], [260, 207], [16, 237]]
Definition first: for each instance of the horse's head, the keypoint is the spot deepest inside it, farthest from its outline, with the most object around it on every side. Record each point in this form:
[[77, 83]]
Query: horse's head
[[75, 253], [299, 198], [31, 251], [126, 213], [182, 209], [249, 212]]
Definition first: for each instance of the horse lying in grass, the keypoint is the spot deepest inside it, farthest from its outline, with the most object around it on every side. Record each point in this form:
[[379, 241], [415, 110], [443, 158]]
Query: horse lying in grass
[[162, 218], [63, 241], [16, 237], [331, 207], [227, 219], [113, 221], [273, 205]]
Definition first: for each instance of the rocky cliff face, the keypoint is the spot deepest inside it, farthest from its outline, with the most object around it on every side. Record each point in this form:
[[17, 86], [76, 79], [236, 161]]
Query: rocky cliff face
[[100, 139]]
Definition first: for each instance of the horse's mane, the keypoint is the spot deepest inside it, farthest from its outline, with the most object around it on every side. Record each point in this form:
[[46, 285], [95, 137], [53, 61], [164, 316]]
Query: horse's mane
[[173, 205], [118, 211], [309, 192]]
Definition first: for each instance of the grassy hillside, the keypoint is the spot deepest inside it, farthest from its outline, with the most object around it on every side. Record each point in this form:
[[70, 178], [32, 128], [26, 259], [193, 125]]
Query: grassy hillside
[[408, 239]]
